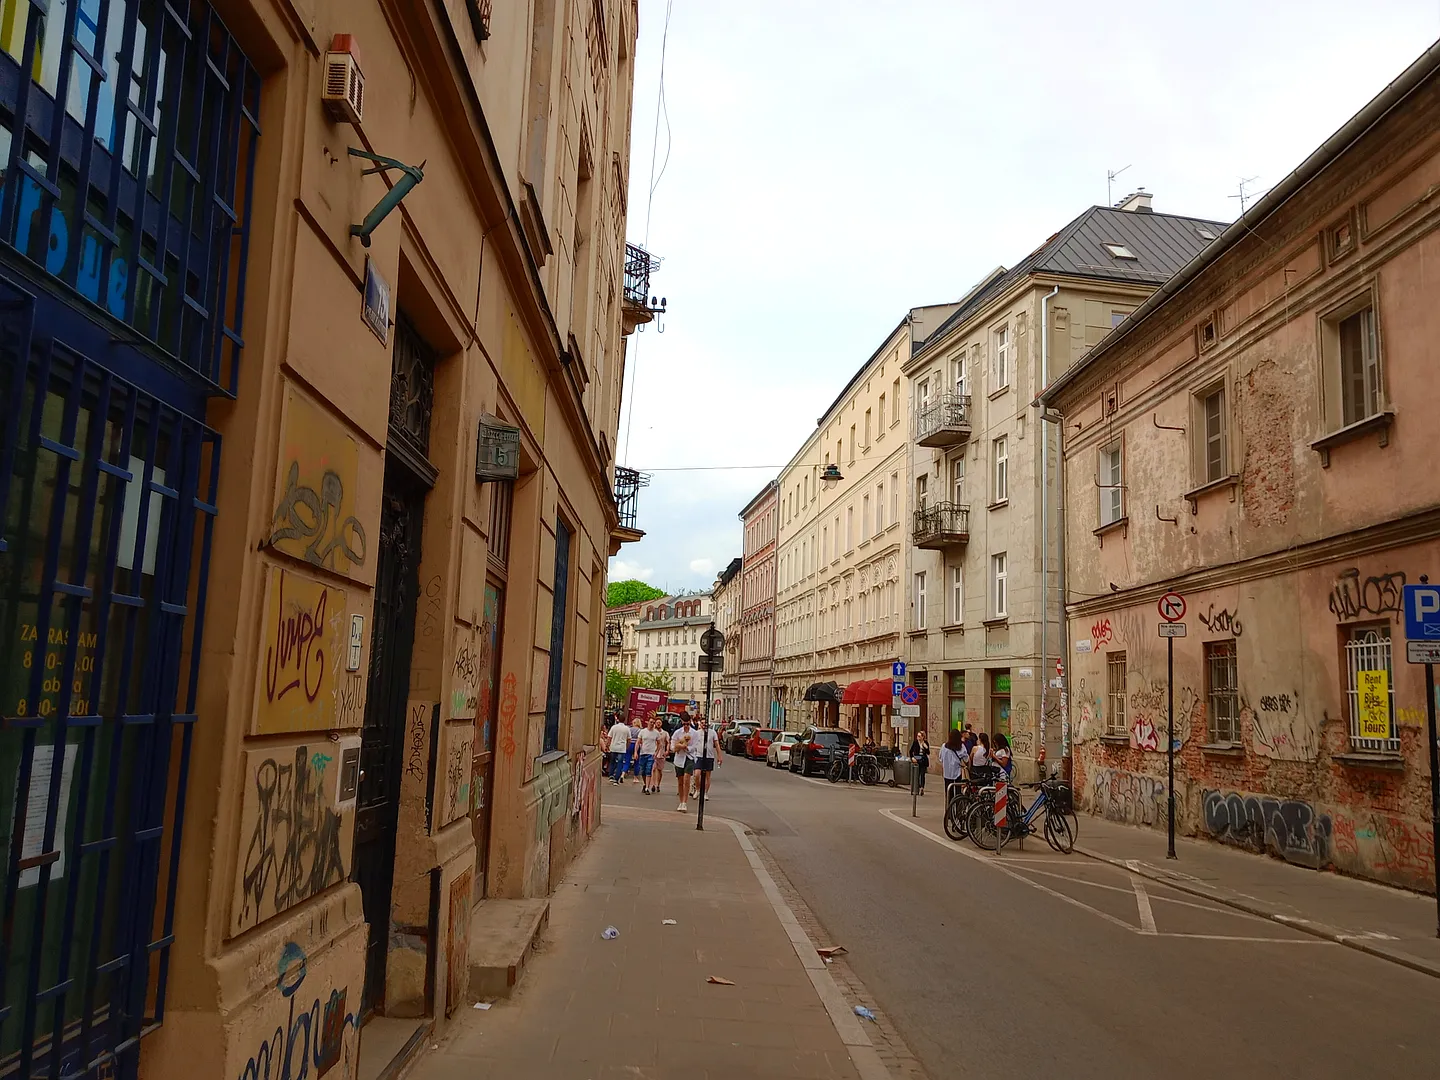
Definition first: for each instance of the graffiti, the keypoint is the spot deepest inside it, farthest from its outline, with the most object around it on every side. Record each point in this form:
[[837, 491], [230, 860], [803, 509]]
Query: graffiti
[[431, 608], [552, 788], [1101, 634], [301, 658], [1127, 797], [584, 806], [1023, 743], [296, 847], [508, 704], [1281, 732], [1150, 714], [461, 746], [315, 1038], [417, 729], [1378, 595], [1143, 735], [457, 954], [465, 697], [306, 514], [1273, 703], [1221, 622], [350, 702], [1406, 850], [297, 652], [1289, 828]]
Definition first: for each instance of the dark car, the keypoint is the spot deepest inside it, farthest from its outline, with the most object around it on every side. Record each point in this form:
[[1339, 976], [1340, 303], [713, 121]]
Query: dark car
[[815, 748], [759, 742], [735, 738]]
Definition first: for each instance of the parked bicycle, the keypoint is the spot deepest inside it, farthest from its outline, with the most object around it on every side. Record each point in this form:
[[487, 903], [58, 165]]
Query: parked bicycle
[[961, 794], [866, 770], [1055, 801]]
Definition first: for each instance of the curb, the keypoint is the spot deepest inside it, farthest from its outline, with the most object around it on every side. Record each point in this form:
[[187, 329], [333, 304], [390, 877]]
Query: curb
[[1239, 903]]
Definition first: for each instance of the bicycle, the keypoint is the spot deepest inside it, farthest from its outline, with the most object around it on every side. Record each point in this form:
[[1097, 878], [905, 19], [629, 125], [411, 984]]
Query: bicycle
[[1054, 799], [866, 770], [959, 796]]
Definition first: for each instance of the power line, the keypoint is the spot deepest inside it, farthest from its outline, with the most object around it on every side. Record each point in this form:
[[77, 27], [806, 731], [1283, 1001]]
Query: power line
[[707, 468]]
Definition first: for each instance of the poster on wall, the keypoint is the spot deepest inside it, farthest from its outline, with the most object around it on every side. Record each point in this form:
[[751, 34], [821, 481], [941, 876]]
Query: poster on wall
[[1374, 687]]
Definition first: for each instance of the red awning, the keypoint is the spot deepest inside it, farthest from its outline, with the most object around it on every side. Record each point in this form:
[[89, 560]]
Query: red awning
[[867, 692], [851, 694]]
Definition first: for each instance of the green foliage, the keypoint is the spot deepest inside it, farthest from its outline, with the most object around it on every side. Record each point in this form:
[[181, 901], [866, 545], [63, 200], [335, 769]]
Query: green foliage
[[619, 683], [630, 592]]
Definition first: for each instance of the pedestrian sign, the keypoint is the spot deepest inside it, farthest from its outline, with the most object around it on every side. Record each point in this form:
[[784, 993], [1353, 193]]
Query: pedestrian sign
[[897, 669]]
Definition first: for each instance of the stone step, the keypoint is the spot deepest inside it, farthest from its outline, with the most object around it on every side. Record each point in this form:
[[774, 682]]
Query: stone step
[[502, 936]]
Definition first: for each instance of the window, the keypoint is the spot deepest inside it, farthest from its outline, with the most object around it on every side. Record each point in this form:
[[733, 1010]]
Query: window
[[880, 419], [825, 544], [1359, 366], [957, 374], [895, 397], [1117, 317], [866, 443], [1115, 694], [559, 617], [920, 483], [852, 444], [922, 399], [1370, 690], [849, 528], [998, 575], [1120, 251], [806, 490], [848, 610], [920, 600], [894, 496], [955, 684], [864, 610], [865, 518], [1002, 471], [1222, 690], [1112, 490], [1214, 457], [957, 595], [1000, 360], [957, 479], [879, 508]]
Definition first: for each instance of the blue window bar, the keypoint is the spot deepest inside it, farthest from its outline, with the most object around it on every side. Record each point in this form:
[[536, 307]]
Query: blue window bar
[[128, 134]]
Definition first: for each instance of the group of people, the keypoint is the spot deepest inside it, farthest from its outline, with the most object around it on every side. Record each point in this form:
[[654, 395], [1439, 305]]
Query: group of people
[[642, 749], [966, 753]]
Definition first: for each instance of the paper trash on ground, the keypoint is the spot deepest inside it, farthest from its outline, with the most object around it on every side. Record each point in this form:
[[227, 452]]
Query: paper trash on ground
[[719, 981]]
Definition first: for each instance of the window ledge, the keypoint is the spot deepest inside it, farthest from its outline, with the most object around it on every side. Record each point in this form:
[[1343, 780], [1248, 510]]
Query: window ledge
[[1380, 422], [999, 620], [1117, 524], [954, 627], [1116, 740], [998, 505], [997, 393], [1194, 495], [549, 756], [1233, 750], [1373, 760], [919, 632]]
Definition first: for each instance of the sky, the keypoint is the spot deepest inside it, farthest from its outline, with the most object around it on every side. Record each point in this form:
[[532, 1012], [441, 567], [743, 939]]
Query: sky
[[822, 166]]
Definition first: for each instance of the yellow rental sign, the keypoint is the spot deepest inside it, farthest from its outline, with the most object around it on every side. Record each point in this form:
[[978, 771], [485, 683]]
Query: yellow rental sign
[[1374, 687]]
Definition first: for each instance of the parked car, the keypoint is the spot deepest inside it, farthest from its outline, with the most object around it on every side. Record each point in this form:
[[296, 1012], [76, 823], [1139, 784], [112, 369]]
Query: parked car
[[777, 755], [735, 738], [812, 752], [759, 742]]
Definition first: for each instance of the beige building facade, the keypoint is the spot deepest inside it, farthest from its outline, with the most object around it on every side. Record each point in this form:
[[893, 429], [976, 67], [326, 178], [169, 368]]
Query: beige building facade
[[338, 433], [726, 600], [669, 640], [977, 639], [757, 606], [1264, 426]]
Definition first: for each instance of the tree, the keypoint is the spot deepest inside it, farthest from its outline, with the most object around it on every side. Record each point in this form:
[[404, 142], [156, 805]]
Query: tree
[[630, 592], [619, 683]]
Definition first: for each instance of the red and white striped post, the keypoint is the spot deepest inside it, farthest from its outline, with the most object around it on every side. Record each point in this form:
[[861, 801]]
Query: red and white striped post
[[850, 760], [1001, 810]]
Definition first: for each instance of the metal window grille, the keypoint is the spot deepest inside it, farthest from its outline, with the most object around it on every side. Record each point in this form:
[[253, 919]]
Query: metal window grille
[[128, 130], [108, 499], [1115, 693], [1369, 650], [1224, 691]]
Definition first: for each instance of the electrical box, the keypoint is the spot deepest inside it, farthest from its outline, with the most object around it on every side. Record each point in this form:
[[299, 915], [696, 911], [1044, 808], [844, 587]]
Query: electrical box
[[344, 87]]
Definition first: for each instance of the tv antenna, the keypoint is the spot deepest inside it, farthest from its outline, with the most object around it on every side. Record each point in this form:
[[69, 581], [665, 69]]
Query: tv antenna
[[1244, 196], [1110, 175]]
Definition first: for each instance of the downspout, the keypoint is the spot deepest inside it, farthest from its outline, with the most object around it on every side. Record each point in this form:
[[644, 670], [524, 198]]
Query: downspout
[[1045, 524]]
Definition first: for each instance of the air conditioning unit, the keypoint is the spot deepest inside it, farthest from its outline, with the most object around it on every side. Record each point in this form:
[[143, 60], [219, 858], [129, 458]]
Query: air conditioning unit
[[344, 91]]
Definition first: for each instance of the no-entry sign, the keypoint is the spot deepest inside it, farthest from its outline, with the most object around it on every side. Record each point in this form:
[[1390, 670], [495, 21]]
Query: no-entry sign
[[1172, 607]]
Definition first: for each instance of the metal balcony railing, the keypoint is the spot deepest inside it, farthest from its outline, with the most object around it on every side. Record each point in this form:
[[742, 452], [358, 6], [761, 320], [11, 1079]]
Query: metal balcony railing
[[639, 265], [628, 483], [614, 636], [941, 525], [944, 422]]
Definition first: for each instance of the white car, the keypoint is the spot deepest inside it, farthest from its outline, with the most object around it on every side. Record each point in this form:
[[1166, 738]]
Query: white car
[[778, 756]]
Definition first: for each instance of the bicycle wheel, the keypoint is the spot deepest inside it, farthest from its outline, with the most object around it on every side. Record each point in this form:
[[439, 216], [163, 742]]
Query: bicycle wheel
[[869, 774], [955, 811], [980, 823], [1058, 834], [837, 771]]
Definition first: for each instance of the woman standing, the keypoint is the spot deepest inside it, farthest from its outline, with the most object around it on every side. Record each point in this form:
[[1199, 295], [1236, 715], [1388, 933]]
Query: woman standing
[[980, 753], [920, 758], [1002, 754], [952, 760], [662, 747]]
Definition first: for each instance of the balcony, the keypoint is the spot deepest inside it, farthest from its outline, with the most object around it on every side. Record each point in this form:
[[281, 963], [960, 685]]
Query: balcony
[[941, 526], [628, 483], [614, 636], [640, 307], [944, 422]]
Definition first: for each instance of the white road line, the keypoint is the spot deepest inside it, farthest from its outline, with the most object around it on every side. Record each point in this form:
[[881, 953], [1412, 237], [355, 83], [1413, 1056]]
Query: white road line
[[994, 863], [1212, 908], [1234, 937], [1142, 901]]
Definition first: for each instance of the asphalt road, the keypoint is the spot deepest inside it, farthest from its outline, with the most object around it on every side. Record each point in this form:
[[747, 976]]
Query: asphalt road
[[1063, 967]]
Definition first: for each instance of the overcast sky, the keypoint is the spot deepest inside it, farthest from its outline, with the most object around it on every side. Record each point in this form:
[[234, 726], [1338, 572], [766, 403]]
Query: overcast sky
[[833, 163]]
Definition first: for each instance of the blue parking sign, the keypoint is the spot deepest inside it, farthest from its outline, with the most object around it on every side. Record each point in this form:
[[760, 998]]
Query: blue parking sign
[[1422, 612], [897, 688]]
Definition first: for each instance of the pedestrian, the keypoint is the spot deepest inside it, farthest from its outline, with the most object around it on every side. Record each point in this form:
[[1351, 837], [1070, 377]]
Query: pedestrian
[[967, 742], [632, 750], [920, 758], [618, 738], [662, 748], [980, 753], [1002, 754], [646, 743], [952, 760], [706, 752], [680, 743]]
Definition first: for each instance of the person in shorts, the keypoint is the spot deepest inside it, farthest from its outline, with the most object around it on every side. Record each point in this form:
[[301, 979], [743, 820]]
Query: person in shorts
[[618, 738], [705, 751], [662, 747], [647, 741], [680, 743]]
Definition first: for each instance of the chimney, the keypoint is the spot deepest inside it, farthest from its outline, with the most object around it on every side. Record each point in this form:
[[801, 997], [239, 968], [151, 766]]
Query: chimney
[[1137, 202]]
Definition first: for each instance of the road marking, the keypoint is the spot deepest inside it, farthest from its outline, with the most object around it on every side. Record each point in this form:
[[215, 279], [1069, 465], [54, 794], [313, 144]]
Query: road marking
[[1237, 937], [1212, 908], [1142, 901]]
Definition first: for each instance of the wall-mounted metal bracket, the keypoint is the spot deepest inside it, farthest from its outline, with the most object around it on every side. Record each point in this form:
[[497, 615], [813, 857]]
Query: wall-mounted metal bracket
[[413, 175]]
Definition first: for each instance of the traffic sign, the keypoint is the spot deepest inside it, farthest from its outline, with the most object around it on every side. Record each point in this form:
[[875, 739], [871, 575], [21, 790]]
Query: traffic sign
[[897, 688], [709, 663], [1172, 609], [897, 669], [712, 641], [1422, 611], [910, 696], [1422, 652], [1172, 629], [909, 710]]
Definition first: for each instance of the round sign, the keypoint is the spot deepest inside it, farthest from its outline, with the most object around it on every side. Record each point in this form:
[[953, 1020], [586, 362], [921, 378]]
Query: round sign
[[1172, 607], [910, 696], [712, 641]]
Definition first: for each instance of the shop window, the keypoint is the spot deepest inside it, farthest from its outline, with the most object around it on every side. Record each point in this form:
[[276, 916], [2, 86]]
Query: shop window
[[956, 685]]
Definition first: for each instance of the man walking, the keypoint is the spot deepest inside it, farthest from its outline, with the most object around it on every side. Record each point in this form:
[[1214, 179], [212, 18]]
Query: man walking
[[647, 741], [680, 743], [618, 739], [706, 754]]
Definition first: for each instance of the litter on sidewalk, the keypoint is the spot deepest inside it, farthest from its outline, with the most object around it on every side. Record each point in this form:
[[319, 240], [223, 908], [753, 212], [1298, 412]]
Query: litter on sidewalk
[[719, 981], [864, 1013], [482, 1004], [667, 922], [609, 933], [828, 951]]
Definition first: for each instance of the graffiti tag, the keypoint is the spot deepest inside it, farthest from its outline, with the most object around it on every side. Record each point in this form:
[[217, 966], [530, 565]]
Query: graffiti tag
[[1377, 595]]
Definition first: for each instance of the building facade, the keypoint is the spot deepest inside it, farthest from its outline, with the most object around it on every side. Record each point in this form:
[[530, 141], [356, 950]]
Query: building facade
[[669, 640], [841, 553], [320, 669], [1265, 424], [725, 596], [757, 607], [981, 633], [622, 637]]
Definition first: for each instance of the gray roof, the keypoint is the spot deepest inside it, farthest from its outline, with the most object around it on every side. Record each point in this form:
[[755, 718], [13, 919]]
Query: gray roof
[[1161, 244]]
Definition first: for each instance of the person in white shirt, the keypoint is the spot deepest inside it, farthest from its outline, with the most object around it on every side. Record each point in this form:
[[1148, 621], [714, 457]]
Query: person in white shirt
[[952, 760], [705, 751], [680, 743], [980, 752], [662, 748], [647, 740], [619, 738]]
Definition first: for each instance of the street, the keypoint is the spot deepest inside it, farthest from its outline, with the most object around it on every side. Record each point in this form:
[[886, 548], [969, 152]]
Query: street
[[1039, 964]]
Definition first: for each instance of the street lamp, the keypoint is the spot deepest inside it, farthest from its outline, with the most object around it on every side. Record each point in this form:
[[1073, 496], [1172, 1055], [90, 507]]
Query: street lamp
[[830, 475]]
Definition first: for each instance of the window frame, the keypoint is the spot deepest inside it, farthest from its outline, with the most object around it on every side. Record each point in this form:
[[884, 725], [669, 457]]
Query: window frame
[[957, 478], [1333, 381], [1115, 714], [1200, 443], [1000, 472], [957, 594], [1000, 585], [1110, 486], [1352, 633], [1001, 346], [918, 597], [1211, 651]]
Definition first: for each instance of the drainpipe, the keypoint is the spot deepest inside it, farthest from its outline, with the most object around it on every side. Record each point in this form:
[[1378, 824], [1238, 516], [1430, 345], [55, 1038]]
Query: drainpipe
[[1045, 523]]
